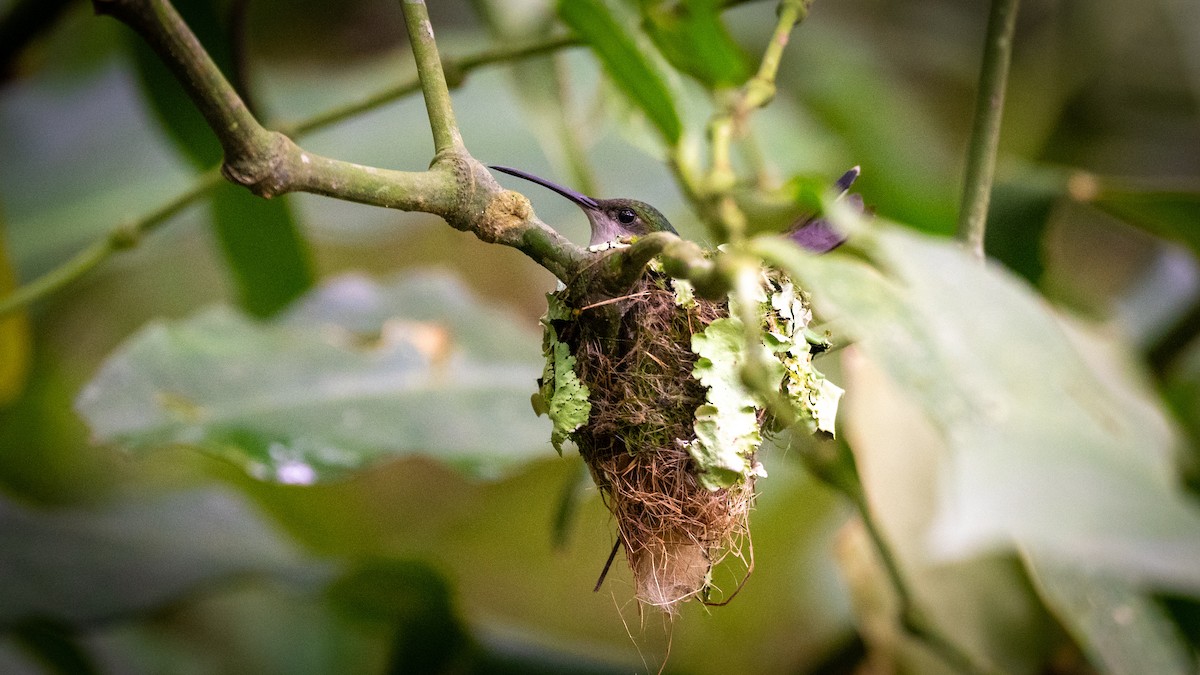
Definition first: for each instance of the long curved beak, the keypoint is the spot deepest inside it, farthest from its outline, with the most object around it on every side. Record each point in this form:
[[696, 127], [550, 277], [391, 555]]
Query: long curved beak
[[578, 197]]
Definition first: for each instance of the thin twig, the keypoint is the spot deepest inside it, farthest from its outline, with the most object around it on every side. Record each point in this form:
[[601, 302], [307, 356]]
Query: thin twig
[[459, 67], [985, 130], [446, 136], [712, 196], [120, 238]]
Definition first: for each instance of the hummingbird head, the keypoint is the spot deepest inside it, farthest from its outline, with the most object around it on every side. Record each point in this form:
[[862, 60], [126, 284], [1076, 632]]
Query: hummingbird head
[[610, 219]]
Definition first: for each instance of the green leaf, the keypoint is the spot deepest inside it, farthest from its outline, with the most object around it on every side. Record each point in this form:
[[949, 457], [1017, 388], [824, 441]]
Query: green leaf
[[56, 645], [625, 61], [263, 246], [1052, 443], [92, 564], [727, 430], [355, 373], [1122, 631], [414, 602], [693, 38], [881, 122]]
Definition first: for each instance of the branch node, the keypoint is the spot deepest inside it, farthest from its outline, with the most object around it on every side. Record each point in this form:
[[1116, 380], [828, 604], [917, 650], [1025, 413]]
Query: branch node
[[125, 236], [260, 169]]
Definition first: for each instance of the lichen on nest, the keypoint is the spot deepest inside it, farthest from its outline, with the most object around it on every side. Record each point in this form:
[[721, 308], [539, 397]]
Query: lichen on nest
[[647, 386]]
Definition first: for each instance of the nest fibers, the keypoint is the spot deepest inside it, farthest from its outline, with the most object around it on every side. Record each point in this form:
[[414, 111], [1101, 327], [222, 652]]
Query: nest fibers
[[648, 387]]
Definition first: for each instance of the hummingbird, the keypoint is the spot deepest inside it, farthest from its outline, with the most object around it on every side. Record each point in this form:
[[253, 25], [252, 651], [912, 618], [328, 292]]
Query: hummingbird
[[611, 219]]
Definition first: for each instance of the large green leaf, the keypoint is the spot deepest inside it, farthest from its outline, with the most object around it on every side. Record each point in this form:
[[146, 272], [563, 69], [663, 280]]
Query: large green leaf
[[1121, 630], [354, 373], [1053, 442], [984, 604], [634, 71], [691, 35], [79, 565], [862, 100]]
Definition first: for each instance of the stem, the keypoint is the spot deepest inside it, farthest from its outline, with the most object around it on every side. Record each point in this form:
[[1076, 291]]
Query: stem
[[446, 137], [725, 218], [985, 130], [267, 162], [681, 259], [791, 12]]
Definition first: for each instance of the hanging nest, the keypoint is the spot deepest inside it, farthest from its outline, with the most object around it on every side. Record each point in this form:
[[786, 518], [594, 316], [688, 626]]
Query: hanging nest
[[647, 385]]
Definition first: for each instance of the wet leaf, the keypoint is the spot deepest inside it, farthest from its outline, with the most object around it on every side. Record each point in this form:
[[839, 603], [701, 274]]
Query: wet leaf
[[355, 373]]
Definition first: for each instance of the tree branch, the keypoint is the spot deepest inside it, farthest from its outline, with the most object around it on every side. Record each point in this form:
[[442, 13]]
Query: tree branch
[[101, 250], [681, 259], [985, 130], [456, 187]]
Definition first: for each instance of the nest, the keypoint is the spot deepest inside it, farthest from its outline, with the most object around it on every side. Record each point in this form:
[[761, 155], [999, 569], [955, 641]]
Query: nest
[[634, 354]]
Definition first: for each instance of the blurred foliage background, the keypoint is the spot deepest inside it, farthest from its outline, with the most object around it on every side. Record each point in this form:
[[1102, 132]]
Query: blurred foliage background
[[376, 495]]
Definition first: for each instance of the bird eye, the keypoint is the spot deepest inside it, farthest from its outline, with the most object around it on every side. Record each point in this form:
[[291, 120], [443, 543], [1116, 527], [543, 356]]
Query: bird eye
[[626, 216]]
